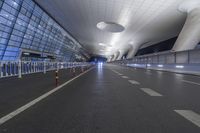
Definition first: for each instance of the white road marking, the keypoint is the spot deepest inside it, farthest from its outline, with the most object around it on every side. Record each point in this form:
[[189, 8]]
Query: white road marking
[[125, 77], [28, 105], [151, 92], [190, 82], [114, 71], [117, 73], [190, 115], [134, 82]]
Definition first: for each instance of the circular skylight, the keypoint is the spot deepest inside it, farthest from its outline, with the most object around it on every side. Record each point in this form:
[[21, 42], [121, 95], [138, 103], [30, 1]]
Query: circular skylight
[[110, 27]]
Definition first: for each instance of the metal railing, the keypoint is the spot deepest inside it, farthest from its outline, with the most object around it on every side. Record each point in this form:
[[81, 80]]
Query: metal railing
[[19, 68]]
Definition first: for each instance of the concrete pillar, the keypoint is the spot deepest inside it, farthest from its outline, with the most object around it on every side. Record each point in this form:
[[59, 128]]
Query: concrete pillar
[[133, 50], [121, 54], [108, 59], [117, 55], [190, 34], [114, 57]]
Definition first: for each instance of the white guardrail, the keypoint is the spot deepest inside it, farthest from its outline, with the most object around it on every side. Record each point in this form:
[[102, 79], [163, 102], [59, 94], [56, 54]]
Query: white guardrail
[[183, 57], [19, 68], [180, 62]]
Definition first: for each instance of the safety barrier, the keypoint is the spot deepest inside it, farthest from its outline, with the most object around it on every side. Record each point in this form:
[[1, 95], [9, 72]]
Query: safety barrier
[[182, 62], [19, 68], [184, 57]]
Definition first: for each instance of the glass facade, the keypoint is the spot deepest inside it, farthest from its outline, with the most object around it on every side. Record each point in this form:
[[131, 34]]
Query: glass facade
[[25, 26]]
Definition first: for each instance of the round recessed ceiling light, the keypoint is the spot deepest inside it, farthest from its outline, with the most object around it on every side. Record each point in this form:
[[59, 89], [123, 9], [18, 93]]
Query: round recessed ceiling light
[[110, 27]]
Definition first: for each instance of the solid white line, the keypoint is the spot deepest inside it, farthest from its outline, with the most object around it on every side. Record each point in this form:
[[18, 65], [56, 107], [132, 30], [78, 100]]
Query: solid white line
[[151, 92], [28, 105], [190, 115], [134, 82], [190, 82], [125, 77]]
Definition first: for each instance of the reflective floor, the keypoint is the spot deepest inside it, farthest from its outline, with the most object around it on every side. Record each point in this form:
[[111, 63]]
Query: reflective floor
[[106, 99]]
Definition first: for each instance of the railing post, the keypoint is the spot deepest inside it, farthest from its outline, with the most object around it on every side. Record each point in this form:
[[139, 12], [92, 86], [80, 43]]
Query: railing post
[[14, 68], [6, 66], [10, 69], [1, 69], [44, 65], [57, 66], [188, 57], [28, 67], [175, 58], [31, 67], [20, 69]]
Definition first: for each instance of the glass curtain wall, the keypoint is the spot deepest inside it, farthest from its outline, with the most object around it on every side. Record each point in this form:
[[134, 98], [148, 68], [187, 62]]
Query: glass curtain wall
[[24, 25]]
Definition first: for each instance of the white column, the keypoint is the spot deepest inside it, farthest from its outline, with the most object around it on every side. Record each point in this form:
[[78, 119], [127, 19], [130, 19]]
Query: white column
[[109, 59], [190, 34], [133, 50], [121, 54], [112, 57], [116, 55]]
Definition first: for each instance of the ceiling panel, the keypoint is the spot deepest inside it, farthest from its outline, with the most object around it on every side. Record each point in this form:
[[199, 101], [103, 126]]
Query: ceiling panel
[[144, 21]]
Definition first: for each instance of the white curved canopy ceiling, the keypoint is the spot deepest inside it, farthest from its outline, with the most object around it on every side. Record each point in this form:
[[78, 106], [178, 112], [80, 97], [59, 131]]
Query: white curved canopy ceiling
[[145, 21]]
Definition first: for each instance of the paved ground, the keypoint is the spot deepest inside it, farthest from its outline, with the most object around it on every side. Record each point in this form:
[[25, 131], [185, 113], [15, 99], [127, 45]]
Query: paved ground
[[15, 92], [111, 99]]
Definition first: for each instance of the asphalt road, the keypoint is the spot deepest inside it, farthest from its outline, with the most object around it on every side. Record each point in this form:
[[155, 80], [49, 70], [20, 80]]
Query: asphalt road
[[113, 99]]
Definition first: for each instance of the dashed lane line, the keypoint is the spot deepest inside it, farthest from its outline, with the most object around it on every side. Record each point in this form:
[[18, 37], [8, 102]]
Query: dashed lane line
[[117, 73], [134, 82], [125, 77], [151, 92], [114, 71], [190, 116]]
